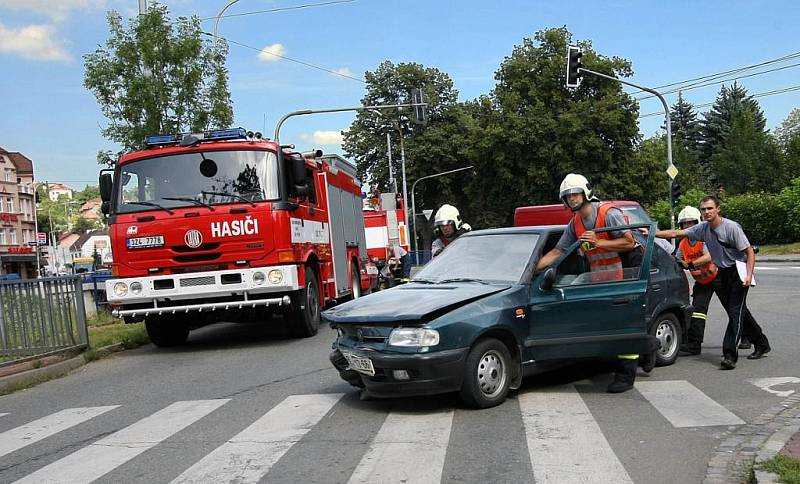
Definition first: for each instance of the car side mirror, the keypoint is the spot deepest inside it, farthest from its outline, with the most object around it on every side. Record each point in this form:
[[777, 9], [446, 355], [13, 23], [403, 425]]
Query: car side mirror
[[105, 207], [548, 278]]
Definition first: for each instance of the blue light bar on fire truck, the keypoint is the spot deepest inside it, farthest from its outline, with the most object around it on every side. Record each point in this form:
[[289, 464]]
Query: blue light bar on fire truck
[[215, 135]]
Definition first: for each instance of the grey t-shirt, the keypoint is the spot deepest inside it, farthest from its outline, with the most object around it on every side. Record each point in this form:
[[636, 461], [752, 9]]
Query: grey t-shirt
[[726, 243], [614, 218]]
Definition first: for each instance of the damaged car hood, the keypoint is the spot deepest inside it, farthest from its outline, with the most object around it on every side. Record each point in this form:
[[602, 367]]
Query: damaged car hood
[[410, 302]]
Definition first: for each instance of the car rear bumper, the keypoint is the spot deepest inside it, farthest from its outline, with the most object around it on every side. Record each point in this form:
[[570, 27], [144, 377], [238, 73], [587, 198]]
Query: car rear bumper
[[429, 373]]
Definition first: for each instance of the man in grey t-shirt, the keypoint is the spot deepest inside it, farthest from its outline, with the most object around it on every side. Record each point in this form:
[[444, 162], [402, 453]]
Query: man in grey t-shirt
[[727, 244]]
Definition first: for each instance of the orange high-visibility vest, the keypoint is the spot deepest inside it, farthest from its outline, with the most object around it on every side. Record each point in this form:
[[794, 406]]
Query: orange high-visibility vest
[[702, 274], [600, 259]]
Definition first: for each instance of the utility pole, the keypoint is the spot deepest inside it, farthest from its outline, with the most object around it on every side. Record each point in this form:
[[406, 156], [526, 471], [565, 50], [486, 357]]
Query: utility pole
[[392, 181], [142, 6]]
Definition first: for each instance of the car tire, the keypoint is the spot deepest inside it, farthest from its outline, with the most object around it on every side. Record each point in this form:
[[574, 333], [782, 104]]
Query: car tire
[[667, 330], [487, 374], [166, 332], [305, 315]]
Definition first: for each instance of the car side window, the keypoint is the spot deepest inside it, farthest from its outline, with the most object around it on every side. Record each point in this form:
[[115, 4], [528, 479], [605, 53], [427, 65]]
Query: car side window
[[575, 270]]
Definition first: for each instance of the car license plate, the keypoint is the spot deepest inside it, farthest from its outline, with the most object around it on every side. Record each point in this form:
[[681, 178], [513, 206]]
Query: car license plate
[[144, 242], [360, 364]]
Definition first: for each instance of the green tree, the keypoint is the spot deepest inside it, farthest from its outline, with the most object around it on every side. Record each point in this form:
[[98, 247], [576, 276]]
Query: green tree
[[536, 130], [155, 76], [390, 83], [88, 193], [685, 126], [788, 138]]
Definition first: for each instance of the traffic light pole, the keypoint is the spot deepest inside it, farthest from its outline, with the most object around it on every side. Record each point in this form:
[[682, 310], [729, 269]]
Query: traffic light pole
[[669, 129]]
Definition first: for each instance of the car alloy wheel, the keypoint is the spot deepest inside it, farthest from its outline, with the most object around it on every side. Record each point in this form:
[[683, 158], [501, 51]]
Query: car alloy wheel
[[668, 332]]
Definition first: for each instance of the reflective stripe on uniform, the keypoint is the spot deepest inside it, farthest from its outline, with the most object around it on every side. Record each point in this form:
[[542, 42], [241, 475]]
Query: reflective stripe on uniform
[[702, 316], [627, 357]]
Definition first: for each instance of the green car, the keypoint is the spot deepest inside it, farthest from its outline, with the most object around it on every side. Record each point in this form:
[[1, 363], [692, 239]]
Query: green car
[[478, 318]]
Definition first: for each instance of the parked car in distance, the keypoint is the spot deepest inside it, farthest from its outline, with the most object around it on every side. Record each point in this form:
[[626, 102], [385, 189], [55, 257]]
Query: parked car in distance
[[477, 318]]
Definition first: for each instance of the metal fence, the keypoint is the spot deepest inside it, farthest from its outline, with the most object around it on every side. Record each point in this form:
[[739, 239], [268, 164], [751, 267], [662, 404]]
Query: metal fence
[[41, 315]]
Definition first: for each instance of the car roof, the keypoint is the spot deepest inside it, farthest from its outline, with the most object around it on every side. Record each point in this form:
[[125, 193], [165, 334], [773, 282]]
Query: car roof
[[531, 229]]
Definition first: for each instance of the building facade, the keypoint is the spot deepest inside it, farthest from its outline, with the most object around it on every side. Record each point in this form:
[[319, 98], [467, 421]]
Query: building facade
[[17, 215]]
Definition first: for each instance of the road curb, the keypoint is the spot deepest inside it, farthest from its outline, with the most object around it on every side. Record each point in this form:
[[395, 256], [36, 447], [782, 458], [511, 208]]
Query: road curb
[[55, 370], [755, 442]]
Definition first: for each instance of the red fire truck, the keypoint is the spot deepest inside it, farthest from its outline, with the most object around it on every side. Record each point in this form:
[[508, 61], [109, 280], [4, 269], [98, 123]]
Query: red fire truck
[[222, 226], [385, 224]]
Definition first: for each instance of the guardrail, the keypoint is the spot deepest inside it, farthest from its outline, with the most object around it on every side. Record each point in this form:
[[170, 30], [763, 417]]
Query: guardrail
[[41, 315]]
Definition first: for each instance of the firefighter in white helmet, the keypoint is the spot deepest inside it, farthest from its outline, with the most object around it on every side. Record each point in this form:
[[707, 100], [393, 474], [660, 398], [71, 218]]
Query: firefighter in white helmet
[[694, 256], [448, 226], [602, 250]]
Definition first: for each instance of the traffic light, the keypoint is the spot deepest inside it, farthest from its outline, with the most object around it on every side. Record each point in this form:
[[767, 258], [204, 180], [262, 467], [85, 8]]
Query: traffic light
[[420, 114], [574, 65], [674, 193]]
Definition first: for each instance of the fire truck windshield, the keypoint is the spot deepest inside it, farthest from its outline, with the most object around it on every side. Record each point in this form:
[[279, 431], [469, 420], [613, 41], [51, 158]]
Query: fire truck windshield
[[202, 178]]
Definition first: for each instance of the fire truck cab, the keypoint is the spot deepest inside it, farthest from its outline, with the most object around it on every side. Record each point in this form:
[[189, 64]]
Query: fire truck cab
[[227, 226]]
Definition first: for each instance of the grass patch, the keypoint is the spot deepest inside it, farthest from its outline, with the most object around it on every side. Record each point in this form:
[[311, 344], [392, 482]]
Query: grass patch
[[130, 335], [29, 382], [788, 468], [102, 318], [779, 249]]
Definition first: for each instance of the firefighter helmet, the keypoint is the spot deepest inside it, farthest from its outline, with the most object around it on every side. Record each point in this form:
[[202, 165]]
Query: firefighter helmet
[[447, 214], [689, 213], [574, 183]]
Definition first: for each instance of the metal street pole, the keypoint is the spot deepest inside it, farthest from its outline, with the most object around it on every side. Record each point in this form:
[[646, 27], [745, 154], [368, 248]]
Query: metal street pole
[[36, 235], [413, 199], [219, 15], [403, 168], [669, 129], [392, 181], [142, 6]]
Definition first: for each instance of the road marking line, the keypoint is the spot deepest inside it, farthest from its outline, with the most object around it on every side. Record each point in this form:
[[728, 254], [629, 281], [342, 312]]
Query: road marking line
[[44, 427], [565, 442], [766, 384], [409, 447], [248, 456], [3, 414], [684, 405], [763, 268], [103, 456]]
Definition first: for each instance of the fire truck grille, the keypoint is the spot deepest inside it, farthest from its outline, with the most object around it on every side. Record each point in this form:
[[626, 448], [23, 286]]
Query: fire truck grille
[[197, 281]]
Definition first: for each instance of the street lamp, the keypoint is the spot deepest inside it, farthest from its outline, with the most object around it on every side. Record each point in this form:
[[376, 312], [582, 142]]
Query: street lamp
[[413, 199]]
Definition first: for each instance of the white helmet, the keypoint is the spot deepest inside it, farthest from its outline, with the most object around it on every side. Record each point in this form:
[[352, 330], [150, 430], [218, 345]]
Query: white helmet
[[447, 214], [689, 213], [574, 183]]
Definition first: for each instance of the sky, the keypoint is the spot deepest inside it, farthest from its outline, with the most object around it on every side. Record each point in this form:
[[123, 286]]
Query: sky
[[48, 115]]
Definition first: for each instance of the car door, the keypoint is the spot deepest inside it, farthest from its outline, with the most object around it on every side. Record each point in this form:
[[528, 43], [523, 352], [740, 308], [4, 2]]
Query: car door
[[582, 314]]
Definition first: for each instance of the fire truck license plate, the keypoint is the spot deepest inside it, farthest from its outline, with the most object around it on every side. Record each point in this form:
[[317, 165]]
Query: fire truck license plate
[[143, 242], [372, 270], [359, 364]]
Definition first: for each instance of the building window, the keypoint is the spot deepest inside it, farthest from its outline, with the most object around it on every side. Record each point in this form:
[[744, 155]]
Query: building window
[[1, 204], [10, 205], [2, 237], [8, 175], [13, 237]]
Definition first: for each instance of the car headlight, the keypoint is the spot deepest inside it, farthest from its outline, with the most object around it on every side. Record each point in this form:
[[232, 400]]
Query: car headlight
[[120, 289], [258, 278], [136, 287], [413, 337], [275, 276]]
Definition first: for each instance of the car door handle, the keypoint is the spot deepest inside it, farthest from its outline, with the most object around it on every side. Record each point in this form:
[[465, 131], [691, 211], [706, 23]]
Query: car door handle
[[656, 287], [620, 301]]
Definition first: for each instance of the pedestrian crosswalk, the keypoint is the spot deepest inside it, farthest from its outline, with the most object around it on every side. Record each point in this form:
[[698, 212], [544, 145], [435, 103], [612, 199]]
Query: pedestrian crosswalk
[[565, 442]]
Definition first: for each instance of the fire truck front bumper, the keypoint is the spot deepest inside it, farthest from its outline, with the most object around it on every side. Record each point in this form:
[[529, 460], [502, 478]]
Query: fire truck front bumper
[[229, 289]]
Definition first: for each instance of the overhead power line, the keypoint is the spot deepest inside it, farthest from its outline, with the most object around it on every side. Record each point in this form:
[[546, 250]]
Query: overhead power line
[[297, 61], [281, 9], [761, 94], [708, 77]]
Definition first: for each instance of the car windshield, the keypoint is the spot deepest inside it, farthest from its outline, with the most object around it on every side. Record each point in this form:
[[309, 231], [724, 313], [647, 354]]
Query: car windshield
[[482, 258], [197, 179]]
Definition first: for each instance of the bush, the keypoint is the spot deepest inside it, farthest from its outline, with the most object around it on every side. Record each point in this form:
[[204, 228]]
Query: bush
[[766, 218]]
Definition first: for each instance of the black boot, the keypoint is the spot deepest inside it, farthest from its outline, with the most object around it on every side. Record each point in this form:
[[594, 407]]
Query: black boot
[[624, 376]]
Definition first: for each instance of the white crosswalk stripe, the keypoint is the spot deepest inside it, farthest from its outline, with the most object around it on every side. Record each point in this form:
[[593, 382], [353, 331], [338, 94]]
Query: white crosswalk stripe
[[103, 456], [684, 405], [559, 427], [409, 448], [3, 414], [565, 443], [37, 430], [249, 455]]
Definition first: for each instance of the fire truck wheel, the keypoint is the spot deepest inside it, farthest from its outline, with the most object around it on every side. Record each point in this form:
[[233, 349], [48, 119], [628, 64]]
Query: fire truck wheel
[[166, 331], [306, 308], [355, 281]]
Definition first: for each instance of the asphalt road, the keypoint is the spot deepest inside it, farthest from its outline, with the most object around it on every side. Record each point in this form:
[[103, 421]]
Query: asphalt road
[[245, 401]]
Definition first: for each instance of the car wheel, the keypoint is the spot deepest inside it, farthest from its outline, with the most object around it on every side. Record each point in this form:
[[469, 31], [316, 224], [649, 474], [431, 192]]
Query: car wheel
[[306, 313], [667, 330], [166, 331], [486, 374]]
